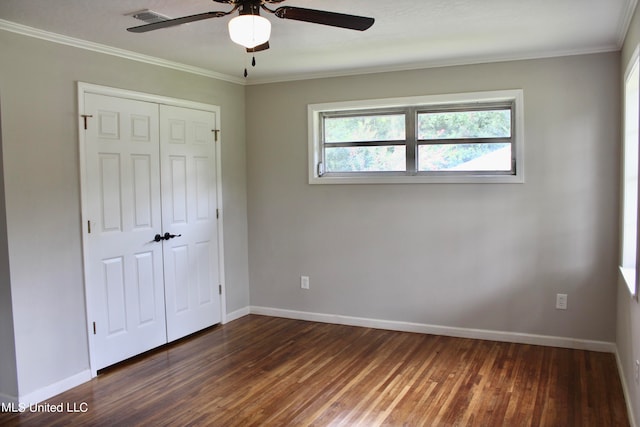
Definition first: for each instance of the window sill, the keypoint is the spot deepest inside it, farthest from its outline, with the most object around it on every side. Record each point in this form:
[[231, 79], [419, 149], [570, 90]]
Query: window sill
[[418, 179], [629, 276]]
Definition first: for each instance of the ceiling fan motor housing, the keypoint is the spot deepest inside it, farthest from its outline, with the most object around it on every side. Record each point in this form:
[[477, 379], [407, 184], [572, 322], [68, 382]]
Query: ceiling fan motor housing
[[250, 7]]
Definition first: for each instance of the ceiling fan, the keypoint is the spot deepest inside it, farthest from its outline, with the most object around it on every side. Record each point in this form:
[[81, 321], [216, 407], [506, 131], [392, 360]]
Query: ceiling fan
[[252, 31]]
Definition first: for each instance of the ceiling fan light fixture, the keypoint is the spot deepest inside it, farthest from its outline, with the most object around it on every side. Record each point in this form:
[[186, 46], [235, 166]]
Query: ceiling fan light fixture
[[249, 30]]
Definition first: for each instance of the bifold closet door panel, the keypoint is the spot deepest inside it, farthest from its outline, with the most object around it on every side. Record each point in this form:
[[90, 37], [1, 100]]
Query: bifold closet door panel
[[189, 204], [124, 265]]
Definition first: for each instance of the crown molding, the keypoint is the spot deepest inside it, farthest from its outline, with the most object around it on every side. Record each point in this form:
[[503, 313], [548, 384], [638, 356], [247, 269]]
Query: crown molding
[[113, 51], [489, 59], [625, 21]]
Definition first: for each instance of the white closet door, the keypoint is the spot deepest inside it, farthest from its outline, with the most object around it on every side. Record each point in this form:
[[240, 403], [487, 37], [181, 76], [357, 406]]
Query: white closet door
[[123, 271], [189, 203]]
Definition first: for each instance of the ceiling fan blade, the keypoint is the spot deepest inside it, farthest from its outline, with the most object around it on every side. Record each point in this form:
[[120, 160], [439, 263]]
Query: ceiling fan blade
[[259, 48], [176, 21], [351, 22]]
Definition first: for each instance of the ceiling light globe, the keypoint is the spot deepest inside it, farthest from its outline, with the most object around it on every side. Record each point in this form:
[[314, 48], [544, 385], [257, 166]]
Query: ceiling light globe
[[249, 30]]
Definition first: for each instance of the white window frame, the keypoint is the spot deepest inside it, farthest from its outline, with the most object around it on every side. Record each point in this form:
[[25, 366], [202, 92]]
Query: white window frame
[[314, 116], [630, 164]]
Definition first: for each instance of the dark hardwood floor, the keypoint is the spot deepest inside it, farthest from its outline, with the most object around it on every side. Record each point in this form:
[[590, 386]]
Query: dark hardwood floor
[[263, 371]]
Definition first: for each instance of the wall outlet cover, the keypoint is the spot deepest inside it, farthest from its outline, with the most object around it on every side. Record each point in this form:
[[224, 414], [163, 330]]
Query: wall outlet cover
[[561, 301], [304, 282]]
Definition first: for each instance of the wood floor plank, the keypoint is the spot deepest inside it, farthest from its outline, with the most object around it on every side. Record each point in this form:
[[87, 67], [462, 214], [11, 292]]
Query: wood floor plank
[[263, 371]]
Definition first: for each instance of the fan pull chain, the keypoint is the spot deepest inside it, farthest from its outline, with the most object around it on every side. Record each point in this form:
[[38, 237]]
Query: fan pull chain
[[253, 64]]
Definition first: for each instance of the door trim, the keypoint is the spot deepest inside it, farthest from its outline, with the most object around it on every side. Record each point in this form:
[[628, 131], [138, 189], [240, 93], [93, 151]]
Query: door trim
[[86, 88]]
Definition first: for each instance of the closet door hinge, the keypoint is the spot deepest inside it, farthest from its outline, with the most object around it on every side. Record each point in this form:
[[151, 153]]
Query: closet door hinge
[[217, 213], [85, 117], [220, 289], [94, 328], [215, 133]]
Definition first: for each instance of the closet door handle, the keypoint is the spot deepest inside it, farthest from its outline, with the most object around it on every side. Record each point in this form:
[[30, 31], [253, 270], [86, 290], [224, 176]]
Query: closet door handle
[[167, 236]]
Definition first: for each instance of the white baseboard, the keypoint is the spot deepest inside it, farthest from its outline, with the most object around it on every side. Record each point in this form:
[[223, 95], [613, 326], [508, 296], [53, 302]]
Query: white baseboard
[[234, 315], [515, 337], [625, 390], [55, 388]]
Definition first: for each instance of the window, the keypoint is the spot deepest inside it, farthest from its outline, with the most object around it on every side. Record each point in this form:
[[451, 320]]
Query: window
[[446, 138], [629, 261]]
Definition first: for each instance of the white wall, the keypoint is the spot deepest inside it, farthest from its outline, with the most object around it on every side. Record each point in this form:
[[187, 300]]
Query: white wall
[[628, 319], [41, 174], [486, 256]]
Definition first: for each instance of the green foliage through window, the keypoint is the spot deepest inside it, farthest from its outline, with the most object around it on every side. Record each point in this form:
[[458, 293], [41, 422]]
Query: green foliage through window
[[464, 124], [366, 159], [364, 128]]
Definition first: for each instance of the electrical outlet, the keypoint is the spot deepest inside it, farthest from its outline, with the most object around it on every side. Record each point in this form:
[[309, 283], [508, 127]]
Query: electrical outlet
[[304, 282], [561, 301], [637, 371]]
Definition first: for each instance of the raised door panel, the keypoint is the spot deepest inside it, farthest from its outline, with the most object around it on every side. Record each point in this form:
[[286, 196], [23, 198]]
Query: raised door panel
[[113, 282]]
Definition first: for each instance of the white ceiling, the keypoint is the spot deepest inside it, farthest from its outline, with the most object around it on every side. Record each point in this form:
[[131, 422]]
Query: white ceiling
[[407, 34]]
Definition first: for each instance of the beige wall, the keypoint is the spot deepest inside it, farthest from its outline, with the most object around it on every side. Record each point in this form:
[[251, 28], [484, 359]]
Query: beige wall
[[41, 175], [628, 319], [8, 373], [485, 256]]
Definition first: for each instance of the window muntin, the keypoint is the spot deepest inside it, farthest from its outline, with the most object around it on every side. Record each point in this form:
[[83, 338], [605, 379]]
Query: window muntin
[[375, 156]]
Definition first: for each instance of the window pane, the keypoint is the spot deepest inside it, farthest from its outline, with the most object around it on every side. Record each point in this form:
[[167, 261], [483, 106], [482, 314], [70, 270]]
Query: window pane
[[630, 183], [464, 157], [365, 159], [465, 124], [387, 127]]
